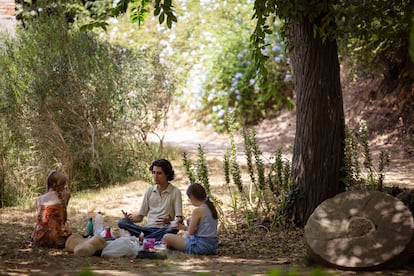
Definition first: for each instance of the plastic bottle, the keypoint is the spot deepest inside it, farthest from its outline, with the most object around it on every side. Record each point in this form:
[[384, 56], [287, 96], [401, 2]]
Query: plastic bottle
[[89, 227], [98, 225], [108, 233]]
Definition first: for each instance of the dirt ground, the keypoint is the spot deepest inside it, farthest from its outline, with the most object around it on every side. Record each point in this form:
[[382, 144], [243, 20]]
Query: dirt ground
[[254, 252], [241, 252]]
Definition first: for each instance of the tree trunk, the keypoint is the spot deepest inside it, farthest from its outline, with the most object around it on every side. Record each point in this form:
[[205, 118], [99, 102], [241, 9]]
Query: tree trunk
[[318, 154]]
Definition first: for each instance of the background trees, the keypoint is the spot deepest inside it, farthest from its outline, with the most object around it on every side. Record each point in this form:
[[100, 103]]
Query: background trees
[[73, 102]]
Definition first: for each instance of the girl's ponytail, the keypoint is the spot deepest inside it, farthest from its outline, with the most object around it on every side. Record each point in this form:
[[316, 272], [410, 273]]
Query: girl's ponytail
[[212, 208]]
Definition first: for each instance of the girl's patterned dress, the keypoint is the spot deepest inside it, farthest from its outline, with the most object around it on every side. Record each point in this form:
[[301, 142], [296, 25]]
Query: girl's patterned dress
[[51, 229]]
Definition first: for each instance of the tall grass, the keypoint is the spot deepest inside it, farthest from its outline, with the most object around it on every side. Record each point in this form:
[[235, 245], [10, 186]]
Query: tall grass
[[270, 193], [258, 198], [361, 172], [198, 173]]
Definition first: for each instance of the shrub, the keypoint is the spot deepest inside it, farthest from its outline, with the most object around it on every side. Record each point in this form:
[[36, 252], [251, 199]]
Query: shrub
[[75, 103], [235, 86], [365, 176]]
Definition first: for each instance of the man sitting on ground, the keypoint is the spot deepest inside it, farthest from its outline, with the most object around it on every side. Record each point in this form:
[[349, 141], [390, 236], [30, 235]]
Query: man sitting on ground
[[162, 203]]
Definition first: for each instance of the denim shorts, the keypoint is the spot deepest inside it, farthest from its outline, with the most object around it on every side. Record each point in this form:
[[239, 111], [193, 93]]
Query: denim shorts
[[201, 245]]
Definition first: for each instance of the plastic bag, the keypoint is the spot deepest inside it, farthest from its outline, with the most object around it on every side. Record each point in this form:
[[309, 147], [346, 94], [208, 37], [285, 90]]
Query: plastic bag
[[122, 247]]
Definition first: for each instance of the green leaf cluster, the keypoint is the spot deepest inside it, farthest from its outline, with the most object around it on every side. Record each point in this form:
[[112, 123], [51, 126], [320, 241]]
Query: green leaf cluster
[[236, 85], [375, 35], [365, 176], [138, 9]]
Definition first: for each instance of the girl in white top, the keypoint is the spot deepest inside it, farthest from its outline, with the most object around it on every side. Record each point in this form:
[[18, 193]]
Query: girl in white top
[[202, 230]]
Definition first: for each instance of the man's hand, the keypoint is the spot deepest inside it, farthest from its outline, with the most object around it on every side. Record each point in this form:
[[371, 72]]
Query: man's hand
[[131, 217], [178, 223], [127, 215], [180, 219], [165, 220]]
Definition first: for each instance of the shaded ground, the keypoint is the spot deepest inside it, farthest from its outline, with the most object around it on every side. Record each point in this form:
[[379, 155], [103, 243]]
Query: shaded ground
[[240, 253], [243, 253]]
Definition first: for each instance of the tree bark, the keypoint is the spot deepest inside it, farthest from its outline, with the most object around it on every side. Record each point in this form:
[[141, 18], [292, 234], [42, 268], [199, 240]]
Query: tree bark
[[318, 153]]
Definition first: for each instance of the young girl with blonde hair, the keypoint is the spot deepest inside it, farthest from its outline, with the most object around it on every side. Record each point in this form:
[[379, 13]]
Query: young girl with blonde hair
[[51, 229]]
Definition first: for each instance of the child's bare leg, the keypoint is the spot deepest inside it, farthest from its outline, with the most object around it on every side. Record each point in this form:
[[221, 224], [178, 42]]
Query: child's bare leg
[[175, 241]]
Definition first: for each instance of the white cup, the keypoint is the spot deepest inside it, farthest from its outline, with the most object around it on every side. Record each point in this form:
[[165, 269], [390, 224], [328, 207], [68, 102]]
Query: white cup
[[174, 223]]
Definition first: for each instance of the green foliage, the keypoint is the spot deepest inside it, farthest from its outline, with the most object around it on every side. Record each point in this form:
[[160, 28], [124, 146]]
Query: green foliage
[[227, 174], [270, 190], [259, 162], [88, 15], [221, 31], [226, 166], [196, 47], [281, 185], [249, 155], [318, 12], [17, 180], [84, 14], [279, 174], [375, 35], [365, 176], [139, 9], [258, 38], [372, 35], [234, 165], [286, 208], [76, 107], [189, 169], [198, 173], [202, 169], [258, 168], [274, 190], [352, 164], [86, 272], [295, 272], [236, 85]]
